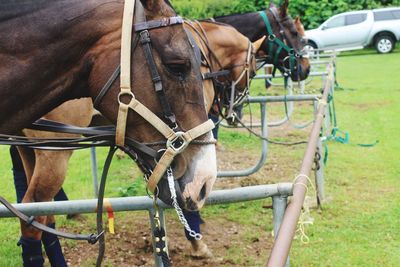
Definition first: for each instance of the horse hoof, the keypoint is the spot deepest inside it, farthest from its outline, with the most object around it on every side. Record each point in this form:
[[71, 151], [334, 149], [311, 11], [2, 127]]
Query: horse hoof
[[201, 251]]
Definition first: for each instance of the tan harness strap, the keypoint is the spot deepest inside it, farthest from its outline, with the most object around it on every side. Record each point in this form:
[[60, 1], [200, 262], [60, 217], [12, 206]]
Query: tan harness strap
[[199, 130], [125, 83], [161, 167], [120, 128], [126, 39], [149, 116]]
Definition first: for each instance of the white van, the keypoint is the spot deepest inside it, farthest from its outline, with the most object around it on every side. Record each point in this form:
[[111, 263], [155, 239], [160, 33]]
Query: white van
[[355, 30]]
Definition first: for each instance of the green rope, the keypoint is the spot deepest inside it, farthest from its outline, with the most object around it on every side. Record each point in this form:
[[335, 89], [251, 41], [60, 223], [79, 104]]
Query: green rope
[[338, 87], [337, 135]]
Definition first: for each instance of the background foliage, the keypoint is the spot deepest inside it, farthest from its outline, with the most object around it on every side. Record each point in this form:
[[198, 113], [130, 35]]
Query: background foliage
[[312, 12]]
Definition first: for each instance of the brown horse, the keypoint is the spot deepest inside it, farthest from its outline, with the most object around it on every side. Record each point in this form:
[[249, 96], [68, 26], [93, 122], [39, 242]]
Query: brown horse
[[53, 51], [224, 42], [283, 28]]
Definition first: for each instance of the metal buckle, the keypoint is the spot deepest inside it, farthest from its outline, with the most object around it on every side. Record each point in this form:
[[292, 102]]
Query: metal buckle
[[165, 22], [178, 143]]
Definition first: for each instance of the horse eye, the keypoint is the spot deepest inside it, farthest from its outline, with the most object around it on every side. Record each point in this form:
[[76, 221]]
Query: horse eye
[[179, 68]]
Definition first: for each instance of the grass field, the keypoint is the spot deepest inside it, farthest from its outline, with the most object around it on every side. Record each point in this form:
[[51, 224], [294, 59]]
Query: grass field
[[359, 226]]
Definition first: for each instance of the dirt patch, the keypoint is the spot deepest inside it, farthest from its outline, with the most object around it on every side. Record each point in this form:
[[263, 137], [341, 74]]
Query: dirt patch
[[131, 245]]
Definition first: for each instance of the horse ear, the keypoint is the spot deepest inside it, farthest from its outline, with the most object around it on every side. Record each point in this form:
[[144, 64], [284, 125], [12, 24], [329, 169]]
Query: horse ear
[[297, 20], [284, 8], [151, 4], [257, 44], [271, 4]]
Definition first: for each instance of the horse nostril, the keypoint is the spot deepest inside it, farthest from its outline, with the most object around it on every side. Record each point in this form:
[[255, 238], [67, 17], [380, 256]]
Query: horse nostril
[[191, 205], [202, 193]]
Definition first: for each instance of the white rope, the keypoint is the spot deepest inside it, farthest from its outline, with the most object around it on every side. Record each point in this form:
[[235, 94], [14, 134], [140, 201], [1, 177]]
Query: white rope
[[305, 216]]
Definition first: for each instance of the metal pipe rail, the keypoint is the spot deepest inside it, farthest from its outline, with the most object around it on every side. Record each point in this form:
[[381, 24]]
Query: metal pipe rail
[[145, 203], [289, 98], [263, 100], [281, 247], [278, 192], [269, 76]]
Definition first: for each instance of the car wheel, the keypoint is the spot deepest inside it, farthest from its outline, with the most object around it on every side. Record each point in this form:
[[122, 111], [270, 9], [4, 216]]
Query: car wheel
[[384, 44], [310, 47]]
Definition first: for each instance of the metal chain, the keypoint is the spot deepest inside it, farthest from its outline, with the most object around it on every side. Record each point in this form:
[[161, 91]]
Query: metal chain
[[178, 209], [317, 159]]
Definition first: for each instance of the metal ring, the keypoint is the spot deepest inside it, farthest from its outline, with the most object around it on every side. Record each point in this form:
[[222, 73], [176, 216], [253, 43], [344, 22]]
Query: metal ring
[[271, 37], [127, 93]]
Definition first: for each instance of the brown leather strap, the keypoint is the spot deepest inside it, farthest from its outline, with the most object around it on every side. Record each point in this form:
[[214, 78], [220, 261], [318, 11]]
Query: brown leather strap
[[148, 25]]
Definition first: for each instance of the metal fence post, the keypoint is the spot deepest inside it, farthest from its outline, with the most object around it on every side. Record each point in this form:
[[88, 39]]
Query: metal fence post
[[93, 160], [279, 204], [157, 259], [319, 174]]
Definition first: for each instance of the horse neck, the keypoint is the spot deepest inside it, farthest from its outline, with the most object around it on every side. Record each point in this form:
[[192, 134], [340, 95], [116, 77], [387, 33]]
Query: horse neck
[[48, 55], [248, 24]]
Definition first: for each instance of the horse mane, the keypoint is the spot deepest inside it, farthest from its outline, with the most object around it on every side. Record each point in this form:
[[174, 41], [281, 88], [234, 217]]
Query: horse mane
[[234, 15]]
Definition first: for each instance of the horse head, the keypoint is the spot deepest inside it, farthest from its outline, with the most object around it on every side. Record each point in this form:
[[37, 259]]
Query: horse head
[[166, 79], [285, 43], [239, 58], [229, 61]]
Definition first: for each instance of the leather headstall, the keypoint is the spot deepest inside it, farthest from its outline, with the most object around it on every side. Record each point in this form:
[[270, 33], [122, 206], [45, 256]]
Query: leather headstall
[[177, 140]]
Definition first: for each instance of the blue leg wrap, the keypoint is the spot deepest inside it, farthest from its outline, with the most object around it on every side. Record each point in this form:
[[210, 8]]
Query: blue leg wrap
[[20, 184], [61, 196], [31, 252], [53, 249], [194, 221], [20, 181]]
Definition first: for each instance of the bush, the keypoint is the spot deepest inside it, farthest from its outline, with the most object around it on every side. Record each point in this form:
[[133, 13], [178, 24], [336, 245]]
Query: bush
[[312, 12]]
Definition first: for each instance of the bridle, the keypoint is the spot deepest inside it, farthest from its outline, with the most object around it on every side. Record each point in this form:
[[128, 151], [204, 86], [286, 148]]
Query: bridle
[[231, 98], [283, 43], [237, 99], [176, 140]]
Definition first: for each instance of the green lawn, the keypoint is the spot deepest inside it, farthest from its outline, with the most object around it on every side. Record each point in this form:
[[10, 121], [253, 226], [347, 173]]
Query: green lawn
[[359, 226]]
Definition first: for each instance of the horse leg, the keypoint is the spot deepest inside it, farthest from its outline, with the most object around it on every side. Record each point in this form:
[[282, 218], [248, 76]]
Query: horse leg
[[20, 179], [199, 247], [45, 183], [23, 166]]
